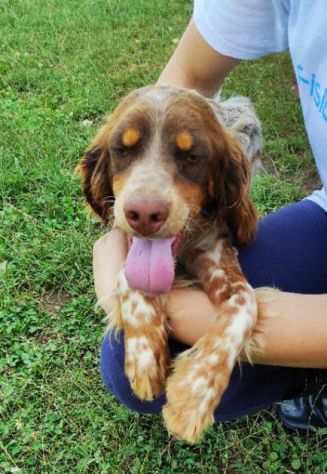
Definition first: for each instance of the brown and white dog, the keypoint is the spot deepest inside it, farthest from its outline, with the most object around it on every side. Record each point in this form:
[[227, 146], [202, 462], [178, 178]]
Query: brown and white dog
[[176, 169]]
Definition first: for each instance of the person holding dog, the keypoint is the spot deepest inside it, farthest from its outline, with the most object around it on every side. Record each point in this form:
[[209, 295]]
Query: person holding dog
[[290, 249]]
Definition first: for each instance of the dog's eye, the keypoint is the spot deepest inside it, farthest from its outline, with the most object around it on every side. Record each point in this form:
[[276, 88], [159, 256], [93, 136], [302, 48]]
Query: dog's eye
[[120, 150], [190, 157]]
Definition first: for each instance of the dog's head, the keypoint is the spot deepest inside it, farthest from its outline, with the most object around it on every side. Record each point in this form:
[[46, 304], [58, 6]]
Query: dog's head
[[161, 159]]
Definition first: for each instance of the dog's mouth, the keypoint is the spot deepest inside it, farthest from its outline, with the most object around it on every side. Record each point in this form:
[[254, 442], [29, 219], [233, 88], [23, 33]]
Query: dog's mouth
[[150, 263]]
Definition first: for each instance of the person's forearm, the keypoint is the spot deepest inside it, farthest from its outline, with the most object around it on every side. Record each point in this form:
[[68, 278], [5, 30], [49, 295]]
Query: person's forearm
[[296, 333], [206, 73], [293, 334]]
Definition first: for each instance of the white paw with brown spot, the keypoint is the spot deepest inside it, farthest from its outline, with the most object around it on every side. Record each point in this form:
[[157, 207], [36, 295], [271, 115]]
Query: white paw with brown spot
[[145, 367], [193, 392]]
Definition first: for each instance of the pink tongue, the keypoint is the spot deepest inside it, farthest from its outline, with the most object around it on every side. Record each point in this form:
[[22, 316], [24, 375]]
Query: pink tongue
[[150, 265]]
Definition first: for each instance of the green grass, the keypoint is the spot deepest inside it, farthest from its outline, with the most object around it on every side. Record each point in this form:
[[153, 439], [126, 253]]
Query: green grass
[[63, 65]]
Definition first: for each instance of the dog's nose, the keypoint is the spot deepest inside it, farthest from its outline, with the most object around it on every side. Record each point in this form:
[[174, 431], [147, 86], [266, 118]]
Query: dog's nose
[[146, 216]]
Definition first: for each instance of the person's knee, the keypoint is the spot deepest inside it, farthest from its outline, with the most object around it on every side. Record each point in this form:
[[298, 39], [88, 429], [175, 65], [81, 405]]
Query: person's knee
[[114, 378]]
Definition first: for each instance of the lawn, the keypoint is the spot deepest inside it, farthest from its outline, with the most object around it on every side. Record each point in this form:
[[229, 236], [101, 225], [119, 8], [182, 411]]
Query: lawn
[[63, 65]]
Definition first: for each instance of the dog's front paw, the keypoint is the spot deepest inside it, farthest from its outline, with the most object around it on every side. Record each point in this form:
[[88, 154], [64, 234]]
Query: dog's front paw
[[146, 351], [146, 364], [193, 392]]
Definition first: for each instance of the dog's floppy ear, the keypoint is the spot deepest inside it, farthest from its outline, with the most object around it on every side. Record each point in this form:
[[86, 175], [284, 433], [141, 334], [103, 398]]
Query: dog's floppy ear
[[232, 182], [95, 172], [95, 168]]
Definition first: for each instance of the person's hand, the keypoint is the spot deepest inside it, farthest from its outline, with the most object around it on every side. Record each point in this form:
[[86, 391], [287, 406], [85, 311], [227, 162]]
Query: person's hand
[[109, 254]]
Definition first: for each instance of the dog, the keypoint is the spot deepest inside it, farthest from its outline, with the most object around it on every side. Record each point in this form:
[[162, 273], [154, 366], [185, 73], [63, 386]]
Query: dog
[[175, 168]]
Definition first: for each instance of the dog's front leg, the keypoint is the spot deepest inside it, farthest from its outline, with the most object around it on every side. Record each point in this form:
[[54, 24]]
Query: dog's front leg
[[202, 373], [146, 351]]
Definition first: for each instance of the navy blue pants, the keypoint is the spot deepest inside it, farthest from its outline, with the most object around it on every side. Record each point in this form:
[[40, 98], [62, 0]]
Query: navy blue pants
[[290, 253]]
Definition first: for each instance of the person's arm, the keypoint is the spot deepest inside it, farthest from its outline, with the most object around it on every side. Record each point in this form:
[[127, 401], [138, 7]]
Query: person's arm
[[293, 326], [195, 65], [295, 335]]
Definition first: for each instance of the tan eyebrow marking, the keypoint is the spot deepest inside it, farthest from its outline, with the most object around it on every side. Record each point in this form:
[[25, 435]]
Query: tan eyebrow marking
[[184, 141], [118, 182], [131, 136]]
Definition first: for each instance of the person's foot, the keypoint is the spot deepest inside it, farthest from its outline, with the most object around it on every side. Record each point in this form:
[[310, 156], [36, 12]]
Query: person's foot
[[306, 413]]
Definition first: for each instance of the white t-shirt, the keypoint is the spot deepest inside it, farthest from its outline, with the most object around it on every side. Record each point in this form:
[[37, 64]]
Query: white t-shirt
[[249, 29]]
